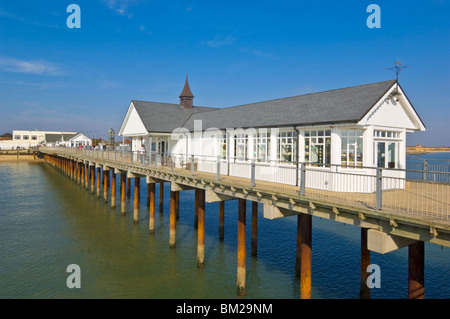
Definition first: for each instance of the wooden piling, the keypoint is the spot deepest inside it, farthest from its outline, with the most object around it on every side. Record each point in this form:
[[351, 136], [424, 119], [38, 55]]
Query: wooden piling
[[148, 195], [137, 185], [201, 228], [416, 270], [123, 186], [241, 269], [113, 189], [82, 175], [221, 220], [172, 239], [105, 185], [78, 173], [161, 197], [92, 179], [99, 170], [254, 243], [86, 175], [151, 195], [306, 256], [364, 290]]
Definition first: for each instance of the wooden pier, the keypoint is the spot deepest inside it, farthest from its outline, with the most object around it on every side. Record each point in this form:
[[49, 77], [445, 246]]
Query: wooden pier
[[382, 230]]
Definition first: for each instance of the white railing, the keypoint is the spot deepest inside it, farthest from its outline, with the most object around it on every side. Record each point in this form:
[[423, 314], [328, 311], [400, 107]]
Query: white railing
[[364, 187]]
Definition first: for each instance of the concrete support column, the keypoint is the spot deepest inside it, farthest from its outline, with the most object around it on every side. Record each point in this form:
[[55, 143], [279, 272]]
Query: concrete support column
[[416, 270], [123, 186], [172, 239], [128, 187], [137, 187], [151, 195], [201, 228], [221, 220], [306, 256], [241, 269], [113, 189], [364, 291], [254, 244]]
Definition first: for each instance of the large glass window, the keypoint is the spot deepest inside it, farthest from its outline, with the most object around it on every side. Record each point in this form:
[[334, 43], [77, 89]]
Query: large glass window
[[222, 143], [352, 148], [240, 146], [261, 146], [386, 154], [287, 146], [318, 146]]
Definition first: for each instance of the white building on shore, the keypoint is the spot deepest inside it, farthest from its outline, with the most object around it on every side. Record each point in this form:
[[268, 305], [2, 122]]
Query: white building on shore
[[352, 130], [24, 139]]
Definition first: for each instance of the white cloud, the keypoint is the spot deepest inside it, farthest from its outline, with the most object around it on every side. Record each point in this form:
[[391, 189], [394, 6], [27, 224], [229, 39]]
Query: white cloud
[[220, 41], [121, 7], [38, 67]]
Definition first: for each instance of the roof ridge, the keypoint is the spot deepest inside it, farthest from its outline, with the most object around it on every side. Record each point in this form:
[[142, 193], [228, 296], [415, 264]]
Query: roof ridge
[[296, 96]]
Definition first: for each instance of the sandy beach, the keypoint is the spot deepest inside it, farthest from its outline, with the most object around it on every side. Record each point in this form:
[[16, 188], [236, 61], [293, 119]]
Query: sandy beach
[[20, 158]]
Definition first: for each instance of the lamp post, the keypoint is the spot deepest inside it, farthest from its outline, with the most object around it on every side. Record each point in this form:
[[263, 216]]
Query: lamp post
[[112, 135]]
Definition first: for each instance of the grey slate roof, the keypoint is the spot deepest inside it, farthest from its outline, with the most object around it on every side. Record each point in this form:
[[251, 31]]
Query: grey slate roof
[[347, 105], [164, 117], [52, 138]]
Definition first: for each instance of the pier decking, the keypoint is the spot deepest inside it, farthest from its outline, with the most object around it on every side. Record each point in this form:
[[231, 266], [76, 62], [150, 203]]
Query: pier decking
[[389, 217]]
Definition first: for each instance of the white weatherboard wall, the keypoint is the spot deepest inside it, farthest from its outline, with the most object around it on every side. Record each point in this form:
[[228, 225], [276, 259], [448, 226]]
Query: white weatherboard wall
[[133, 125]]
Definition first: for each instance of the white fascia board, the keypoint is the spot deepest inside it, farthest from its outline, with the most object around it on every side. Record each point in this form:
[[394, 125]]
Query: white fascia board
[[406, 106]]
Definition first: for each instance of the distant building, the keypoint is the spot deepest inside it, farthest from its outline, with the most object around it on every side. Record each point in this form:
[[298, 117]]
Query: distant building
[[24, 139]]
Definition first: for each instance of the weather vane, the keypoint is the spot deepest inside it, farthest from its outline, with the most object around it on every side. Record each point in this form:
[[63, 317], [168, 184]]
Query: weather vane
[[397, 68]]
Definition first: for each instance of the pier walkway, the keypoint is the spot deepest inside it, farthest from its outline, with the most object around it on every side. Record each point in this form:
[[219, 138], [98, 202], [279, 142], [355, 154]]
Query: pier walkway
[[392, 211]]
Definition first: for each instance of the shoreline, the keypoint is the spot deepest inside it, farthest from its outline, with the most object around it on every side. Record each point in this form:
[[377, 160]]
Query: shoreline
[[20, 158]]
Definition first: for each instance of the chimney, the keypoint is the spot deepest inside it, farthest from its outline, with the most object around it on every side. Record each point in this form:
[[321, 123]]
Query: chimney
[[186, 96]]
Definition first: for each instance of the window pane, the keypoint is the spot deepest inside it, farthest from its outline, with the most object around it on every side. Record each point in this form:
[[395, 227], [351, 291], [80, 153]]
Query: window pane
[[327, 150], [391, 155], [307, 150], [344, 151]]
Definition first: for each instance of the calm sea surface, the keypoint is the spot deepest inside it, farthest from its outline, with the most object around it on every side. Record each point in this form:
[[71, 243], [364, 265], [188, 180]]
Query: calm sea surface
[[47, 223]]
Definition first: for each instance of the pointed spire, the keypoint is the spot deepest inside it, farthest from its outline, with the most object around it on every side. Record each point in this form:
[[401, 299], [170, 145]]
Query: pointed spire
[[186, 96]]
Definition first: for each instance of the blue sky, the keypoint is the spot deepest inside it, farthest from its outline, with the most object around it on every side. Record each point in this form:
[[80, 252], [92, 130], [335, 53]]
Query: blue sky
[[235, 52]]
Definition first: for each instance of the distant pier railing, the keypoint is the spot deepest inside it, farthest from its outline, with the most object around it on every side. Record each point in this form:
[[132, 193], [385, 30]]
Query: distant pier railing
[[396, 191]]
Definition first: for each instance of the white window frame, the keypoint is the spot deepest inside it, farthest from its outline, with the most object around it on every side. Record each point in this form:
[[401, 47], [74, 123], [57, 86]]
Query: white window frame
[[350, 138], [312, 138], [240, 140], [286, 138], [261, 141]]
